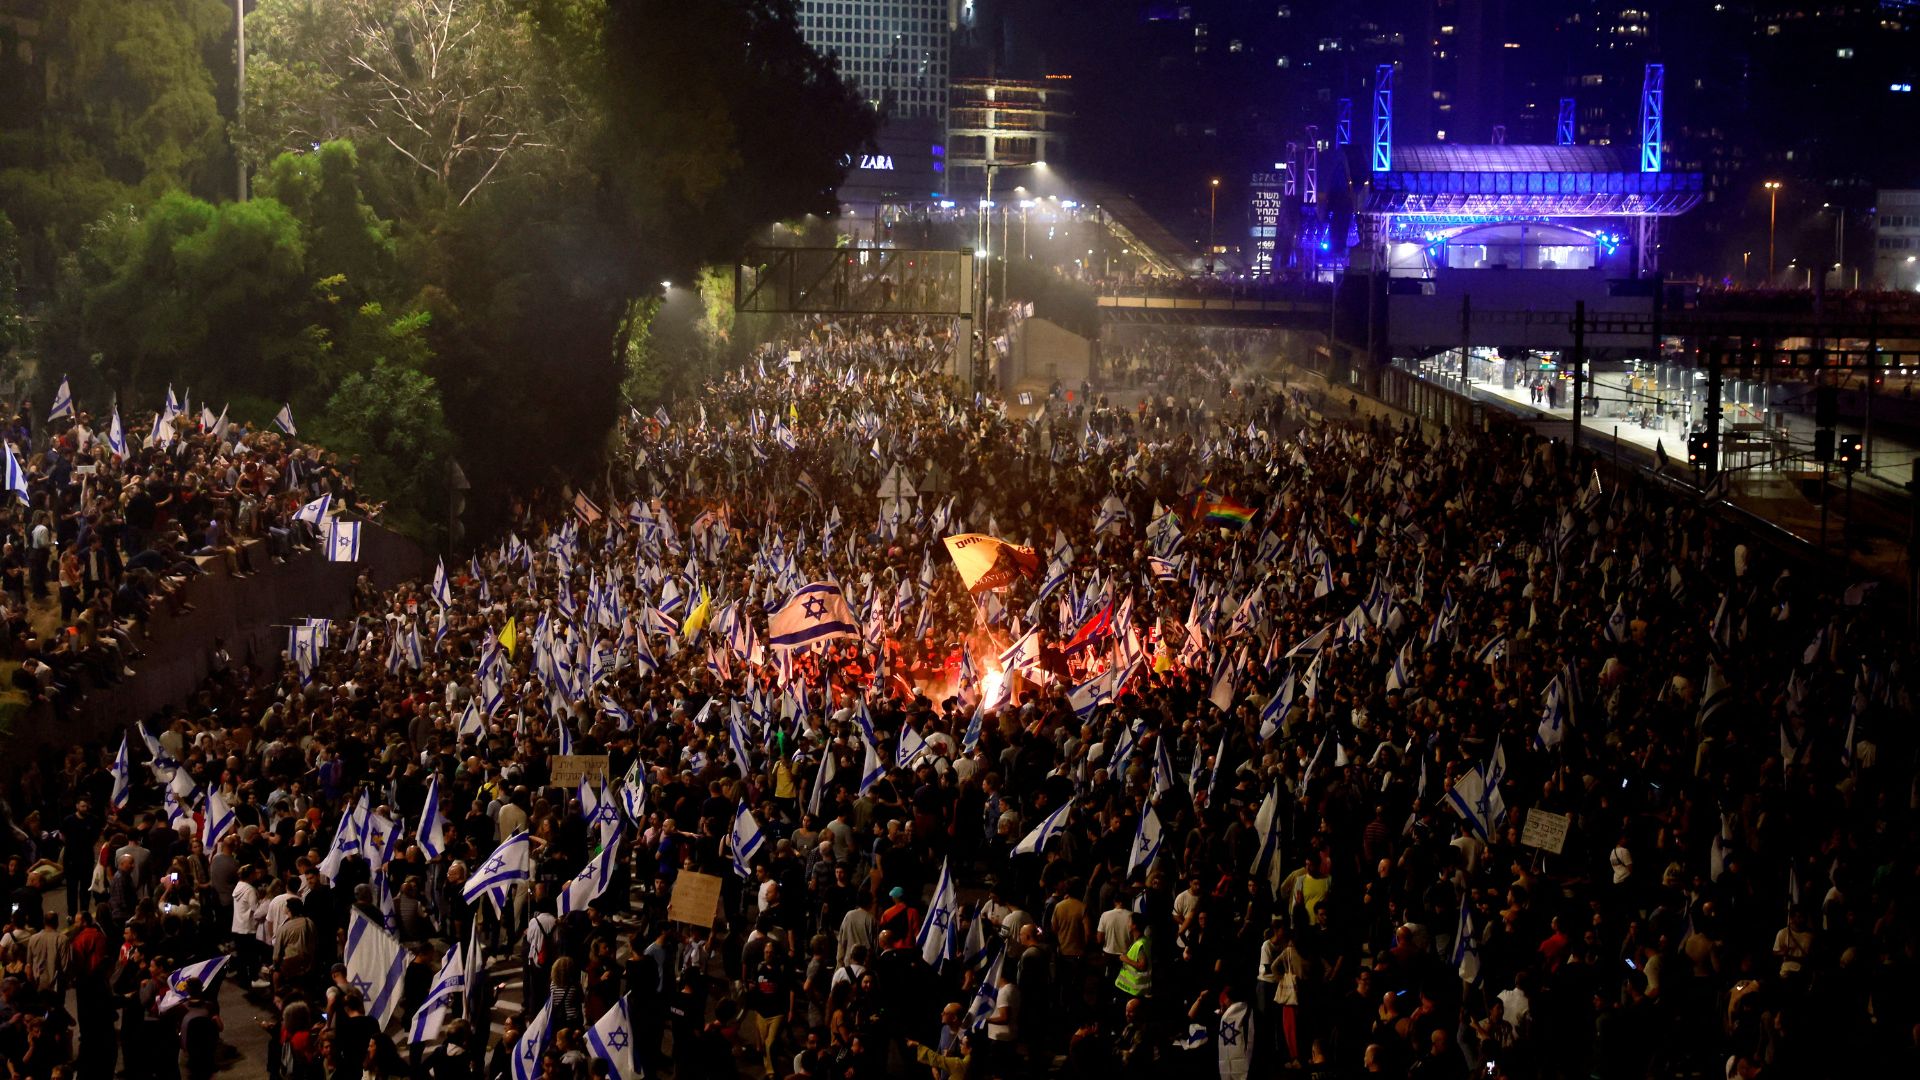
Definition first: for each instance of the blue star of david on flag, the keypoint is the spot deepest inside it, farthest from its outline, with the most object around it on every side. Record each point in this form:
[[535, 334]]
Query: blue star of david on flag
[[815, 612]]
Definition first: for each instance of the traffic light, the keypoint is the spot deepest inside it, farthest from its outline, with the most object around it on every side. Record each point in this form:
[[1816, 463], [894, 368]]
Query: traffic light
[[1823, 444], [1700, 449], [1849, 453]]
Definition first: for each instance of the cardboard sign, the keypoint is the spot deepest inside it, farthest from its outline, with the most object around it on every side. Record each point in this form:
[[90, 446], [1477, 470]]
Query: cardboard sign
[[695, 900], [1545, 830], [570, 769]]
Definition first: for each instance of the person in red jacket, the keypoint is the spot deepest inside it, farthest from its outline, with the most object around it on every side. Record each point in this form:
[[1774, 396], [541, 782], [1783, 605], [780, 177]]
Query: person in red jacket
[[901, 918]]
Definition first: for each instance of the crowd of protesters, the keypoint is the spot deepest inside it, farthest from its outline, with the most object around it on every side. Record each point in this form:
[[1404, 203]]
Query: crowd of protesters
[[1344, 749], [109, 522]]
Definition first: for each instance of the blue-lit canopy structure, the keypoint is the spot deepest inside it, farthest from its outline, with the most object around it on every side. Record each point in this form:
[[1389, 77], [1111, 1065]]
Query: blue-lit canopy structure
[[1496, 183], [1421, 199]]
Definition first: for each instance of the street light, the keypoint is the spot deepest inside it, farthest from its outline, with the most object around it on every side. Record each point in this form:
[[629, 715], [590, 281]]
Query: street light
[[1773, 216], [1213, 201], [985, 252]]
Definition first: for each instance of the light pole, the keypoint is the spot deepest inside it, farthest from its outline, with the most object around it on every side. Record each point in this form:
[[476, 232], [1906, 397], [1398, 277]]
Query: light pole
[[984, 252], [240, 91], [1839, 241], [1213, 202], [1773, 217], [1746, 271]]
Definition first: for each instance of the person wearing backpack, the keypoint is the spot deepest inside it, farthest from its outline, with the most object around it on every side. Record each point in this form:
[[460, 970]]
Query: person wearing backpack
[[200, 1028]]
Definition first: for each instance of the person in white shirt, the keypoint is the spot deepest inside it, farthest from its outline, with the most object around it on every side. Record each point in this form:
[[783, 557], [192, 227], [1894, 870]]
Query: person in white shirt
[[1116, 933], [1185, 904], [249, 918], [1003, 1027], [1621, 860]]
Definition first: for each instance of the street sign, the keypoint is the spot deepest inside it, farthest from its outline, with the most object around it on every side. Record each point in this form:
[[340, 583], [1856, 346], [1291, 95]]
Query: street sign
[[896, 486]]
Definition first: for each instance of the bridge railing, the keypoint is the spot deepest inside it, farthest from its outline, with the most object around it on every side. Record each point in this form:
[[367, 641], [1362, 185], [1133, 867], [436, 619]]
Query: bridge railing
[[1209, 303]]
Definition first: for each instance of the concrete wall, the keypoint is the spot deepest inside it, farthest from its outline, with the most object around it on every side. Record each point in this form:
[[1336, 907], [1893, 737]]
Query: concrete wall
[[1044, 351], [251, 614]]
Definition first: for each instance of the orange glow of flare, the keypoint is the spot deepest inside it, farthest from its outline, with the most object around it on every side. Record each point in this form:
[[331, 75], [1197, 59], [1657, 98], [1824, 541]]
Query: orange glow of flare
[[992, 683]]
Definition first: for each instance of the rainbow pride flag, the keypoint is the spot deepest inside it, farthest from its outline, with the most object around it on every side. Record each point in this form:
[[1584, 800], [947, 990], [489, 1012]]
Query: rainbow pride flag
[[1229, 513]]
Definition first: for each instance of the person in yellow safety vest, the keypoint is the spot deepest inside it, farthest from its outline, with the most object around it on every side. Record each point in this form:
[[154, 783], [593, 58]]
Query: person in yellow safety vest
[[1136, 967]]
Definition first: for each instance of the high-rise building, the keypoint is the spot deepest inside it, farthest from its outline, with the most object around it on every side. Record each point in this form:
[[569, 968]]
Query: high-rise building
[[897, 55], [1896, 240], [893, 52]]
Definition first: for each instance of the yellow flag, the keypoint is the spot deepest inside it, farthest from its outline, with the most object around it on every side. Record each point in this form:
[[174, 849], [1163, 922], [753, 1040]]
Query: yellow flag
[[697, 620], [509, 637]]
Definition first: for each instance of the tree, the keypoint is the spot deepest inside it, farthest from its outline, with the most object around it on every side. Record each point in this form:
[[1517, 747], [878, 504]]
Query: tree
[[343, 235], [131, 113], [13, 325], [258, 298], [390, 415], [188, 291], [449, 87]]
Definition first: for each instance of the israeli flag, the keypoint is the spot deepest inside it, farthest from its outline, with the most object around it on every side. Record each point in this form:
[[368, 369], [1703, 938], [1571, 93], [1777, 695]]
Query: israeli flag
[[938, 932], [592, 880], [816, 612], [912, 746], [1276, 708], [737, 742], [315, 512], [1466, 951], [442, 592], [1266, 826], [282, 419], [611, 1040], [348, 838], [510, 863], [1469, 800], [746, 839], [633, 792], [343, 541], [62, 401], [1493, 651], [16, 476], [1036, 841], [1022, 655], [219, 821], [533, 1044], [117, 435], [376, 966], [1146, 841], [984, 998], [122, 777], [177, 813], [1162, 770], [975, 727], [206, 971], [873, 769], [1097, 691], [433, 820], [820, 781], [471, 723], [432, 1013]]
